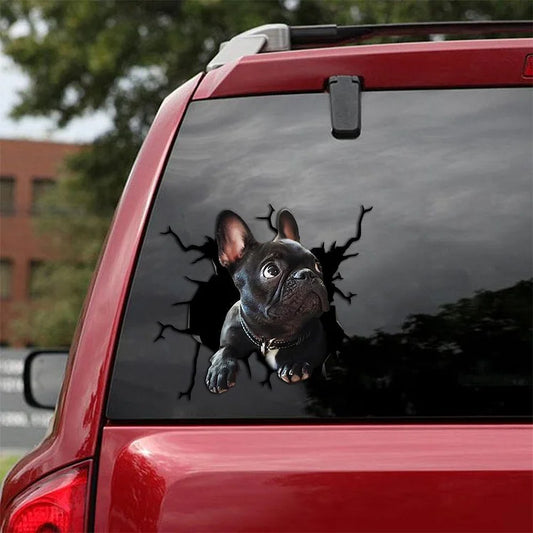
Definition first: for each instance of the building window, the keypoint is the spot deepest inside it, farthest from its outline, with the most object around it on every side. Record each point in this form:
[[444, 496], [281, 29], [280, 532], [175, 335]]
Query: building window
[[6, 278], [41, 187], [7, 195], [35, 281]]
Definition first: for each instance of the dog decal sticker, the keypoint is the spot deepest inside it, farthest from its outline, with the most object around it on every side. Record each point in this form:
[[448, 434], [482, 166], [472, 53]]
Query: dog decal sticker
[[274, 299], [282, 296]]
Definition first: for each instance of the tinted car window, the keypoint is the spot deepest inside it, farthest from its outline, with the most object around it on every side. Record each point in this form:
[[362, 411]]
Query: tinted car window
[[429, 291]]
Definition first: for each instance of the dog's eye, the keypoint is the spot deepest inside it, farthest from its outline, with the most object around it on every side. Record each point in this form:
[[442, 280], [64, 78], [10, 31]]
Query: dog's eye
[[270, 270], [318, 268]]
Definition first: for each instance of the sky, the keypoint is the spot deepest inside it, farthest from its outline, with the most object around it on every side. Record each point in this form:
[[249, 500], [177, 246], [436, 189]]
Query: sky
[[13, 81]]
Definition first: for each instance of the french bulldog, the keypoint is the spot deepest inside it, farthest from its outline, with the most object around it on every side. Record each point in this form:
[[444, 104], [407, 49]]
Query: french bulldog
[[282, 295]]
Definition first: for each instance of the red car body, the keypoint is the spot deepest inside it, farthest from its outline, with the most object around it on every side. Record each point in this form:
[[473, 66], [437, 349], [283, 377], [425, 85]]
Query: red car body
[[341, 477]]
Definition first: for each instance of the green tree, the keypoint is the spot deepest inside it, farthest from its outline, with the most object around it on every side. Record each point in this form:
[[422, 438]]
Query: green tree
[[123, 57]]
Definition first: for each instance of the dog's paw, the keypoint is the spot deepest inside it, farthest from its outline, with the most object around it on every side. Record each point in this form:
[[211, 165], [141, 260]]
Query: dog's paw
[[294, 372], [221, 376]]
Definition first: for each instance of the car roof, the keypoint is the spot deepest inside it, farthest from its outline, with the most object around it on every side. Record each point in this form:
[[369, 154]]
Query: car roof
[[419, 65]]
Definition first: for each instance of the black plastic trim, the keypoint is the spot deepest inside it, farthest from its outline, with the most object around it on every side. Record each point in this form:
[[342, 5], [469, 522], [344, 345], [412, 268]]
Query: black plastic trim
[[345, 105], [301, 36], [325, 421]]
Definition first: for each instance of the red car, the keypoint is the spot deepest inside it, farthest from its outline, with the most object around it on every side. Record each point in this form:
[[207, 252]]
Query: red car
[[313, 309]]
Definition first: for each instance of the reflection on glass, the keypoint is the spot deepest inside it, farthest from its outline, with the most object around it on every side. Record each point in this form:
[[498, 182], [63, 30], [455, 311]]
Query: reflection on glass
[[472, 358]]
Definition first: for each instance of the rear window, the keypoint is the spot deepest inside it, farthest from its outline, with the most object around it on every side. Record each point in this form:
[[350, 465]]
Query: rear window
[[409, 293]]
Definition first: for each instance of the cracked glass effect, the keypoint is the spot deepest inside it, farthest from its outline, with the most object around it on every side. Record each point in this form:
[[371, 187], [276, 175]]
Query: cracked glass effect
[[218, 294], [422, 227]]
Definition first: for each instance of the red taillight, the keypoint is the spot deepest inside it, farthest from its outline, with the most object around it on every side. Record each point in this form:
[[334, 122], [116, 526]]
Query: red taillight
[[528, 67], [54, 504]]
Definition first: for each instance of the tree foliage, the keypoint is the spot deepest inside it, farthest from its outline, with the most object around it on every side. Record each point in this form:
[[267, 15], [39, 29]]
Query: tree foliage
[[123, 57]]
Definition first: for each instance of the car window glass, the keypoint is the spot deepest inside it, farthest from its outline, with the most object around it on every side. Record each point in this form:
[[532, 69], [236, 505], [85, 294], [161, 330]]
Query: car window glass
[[422, 228]]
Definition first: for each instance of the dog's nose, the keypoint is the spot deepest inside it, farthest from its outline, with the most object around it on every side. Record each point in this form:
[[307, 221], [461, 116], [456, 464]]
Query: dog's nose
[[304, 273]]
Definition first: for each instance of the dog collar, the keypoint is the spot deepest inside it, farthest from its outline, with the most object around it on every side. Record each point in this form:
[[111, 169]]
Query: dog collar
[[270, 344]]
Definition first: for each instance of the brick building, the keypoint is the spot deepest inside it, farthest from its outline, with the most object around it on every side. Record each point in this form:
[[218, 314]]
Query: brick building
[[28, 169]]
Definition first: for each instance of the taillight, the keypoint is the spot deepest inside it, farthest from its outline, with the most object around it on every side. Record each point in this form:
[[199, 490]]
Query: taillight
[[55, 504], [528, 67]]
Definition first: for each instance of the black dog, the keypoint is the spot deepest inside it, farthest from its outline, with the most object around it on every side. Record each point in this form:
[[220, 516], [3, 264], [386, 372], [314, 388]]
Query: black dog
[[282, 295]]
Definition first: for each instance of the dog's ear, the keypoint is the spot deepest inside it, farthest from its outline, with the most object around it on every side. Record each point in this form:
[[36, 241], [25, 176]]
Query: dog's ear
[[287, 227], [234, 238]]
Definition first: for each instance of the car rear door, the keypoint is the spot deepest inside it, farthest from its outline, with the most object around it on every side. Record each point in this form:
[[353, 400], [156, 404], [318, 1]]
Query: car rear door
[[315, 478], [417, 420]]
